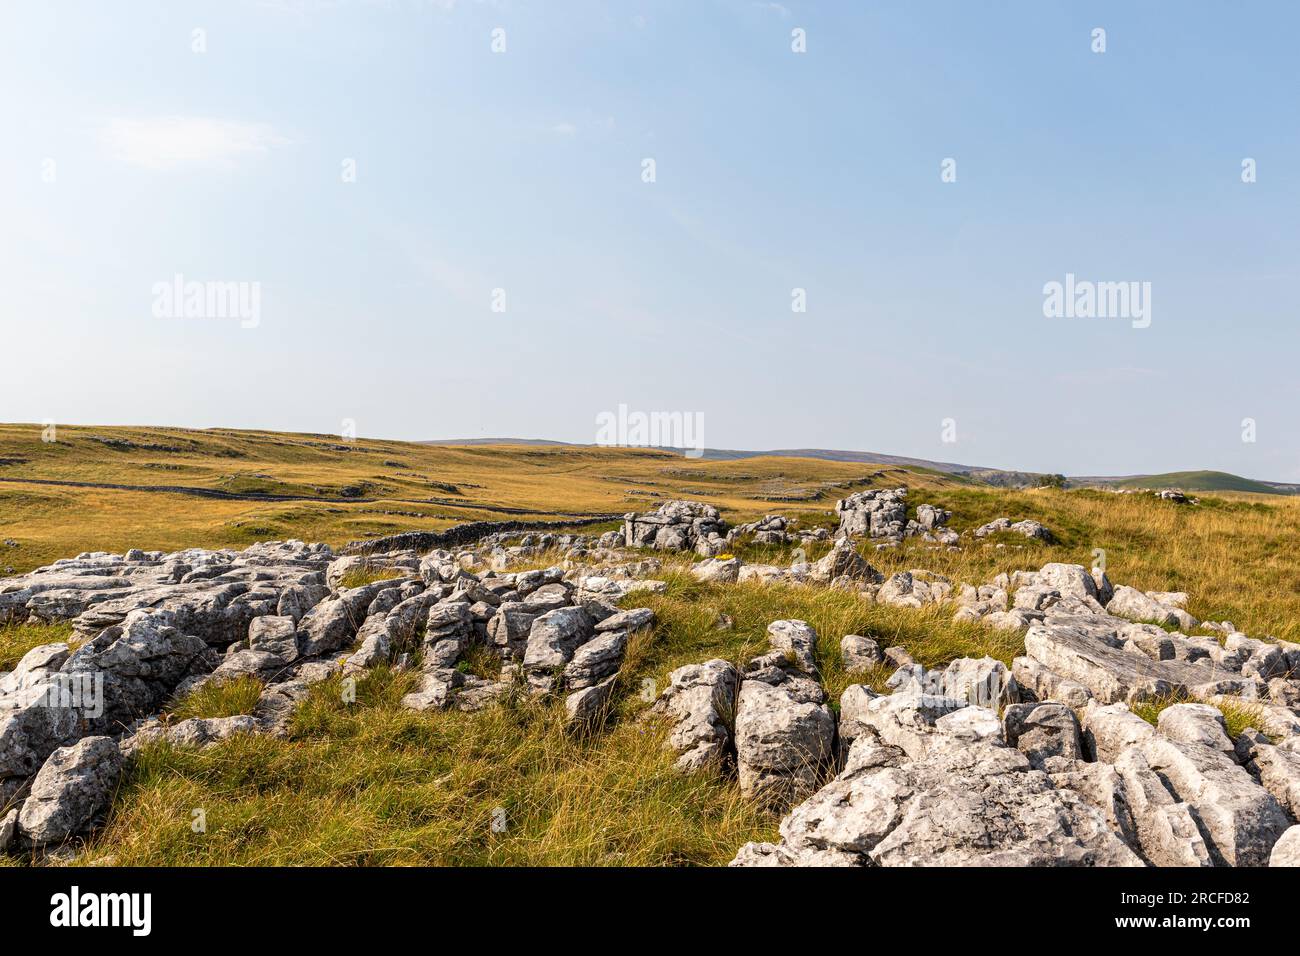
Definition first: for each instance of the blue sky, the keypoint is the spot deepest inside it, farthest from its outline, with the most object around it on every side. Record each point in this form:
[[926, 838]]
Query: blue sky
[[522, 171]]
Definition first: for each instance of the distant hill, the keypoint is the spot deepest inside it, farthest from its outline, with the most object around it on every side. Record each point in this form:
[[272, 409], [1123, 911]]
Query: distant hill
[[1199, 481], [1000, 477]]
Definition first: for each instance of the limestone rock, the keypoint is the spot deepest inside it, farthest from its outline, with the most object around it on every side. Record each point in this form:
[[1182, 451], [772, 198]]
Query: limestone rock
[[701, 700], [1195, 724], [859, 653], [584, 707], [1239, 819], [717, 570], [1110, 730], [72, 787], [1286, 852], [796, 639], [1043, 730], [782, 743], [552, 641], [596, 660]]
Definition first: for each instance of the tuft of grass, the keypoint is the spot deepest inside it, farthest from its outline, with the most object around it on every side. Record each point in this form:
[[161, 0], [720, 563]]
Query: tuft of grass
[[17, 639], [360, 577], [481, 661], [219, 699], [1237, 715]]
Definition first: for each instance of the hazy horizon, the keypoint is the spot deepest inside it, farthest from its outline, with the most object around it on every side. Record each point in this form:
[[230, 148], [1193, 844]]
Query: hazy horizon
[[432, 219]]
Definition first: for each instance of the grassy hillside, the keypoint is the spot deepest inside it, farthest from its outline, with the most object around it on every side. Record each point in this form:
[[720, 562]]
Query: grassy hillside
[[1199, 481], [317, 487]]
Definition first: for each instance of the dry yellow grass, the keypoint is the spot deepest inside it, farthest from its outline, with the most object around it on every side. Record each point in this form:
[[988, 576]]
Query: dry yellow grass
[[414, 487]]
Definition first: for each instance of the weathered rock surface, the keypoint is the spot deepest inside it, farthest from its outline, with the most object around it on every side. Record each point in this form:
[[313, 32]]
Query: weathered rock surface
[[1196, 724], [1238, 818], [782, 743], [701, 699], [964, 803], [859, 653], [878, 513], [1286, 852], [1043, 730], [72, 787]]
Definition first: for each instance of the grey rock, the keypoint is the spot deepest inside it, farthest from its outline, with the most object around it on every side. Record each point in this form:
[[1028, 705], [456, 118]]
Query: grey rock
[[584, 708], [1278, 771], [435, 690], [1091, 655], [8, 830], [717, 570], [633, 619], [860, 653], [1167, 830], [275, 635], [510, 627], [1195, 724], [1036, 682], [72, 787], [1110, 730], [1239, 819], [1286, 852], [798, 640], [1043, 730], [843, 561], [782, 744], [595, 660], [552, 641], [964, 804], [196, 732], [701, 700]]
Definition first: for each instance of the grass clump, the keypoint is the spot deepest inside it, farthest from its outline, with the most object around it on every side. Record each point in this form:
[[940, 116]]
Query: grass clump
[[360, 577], [1238, 715], [219, 699], [17, 639]]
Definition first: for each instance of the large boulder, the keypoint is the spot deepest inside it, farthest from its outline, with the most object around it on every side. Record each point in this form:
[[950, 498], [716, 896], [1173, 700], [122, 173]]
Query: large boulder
[[964, 804], [1239, 819], [552, 641], [72, 787], [676, 526], [140, 662], [701, 700], [782, 743]]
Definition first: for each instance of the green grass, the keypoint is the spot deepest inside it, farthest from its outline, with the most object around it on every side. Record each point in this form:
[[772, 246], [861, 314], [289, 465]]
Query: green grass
[[360, 577], [1238, 716], [219, 699], [1199, 481], [17, 639]]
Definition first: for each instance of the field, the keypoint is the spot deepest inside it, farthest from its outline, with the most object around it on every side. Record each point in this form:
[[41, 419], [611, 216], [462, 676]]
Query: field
[[369, 783]]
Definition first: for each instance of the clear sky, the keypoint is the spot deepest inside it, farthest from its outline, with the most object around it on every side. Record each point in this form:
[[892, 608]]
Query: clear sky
[[130, 158]]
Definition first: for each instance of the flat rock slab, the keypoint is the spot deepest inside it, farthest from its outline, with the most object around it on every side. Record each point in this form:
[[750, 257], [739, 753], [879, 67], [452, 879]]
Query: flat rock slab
[[1114, 675]]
